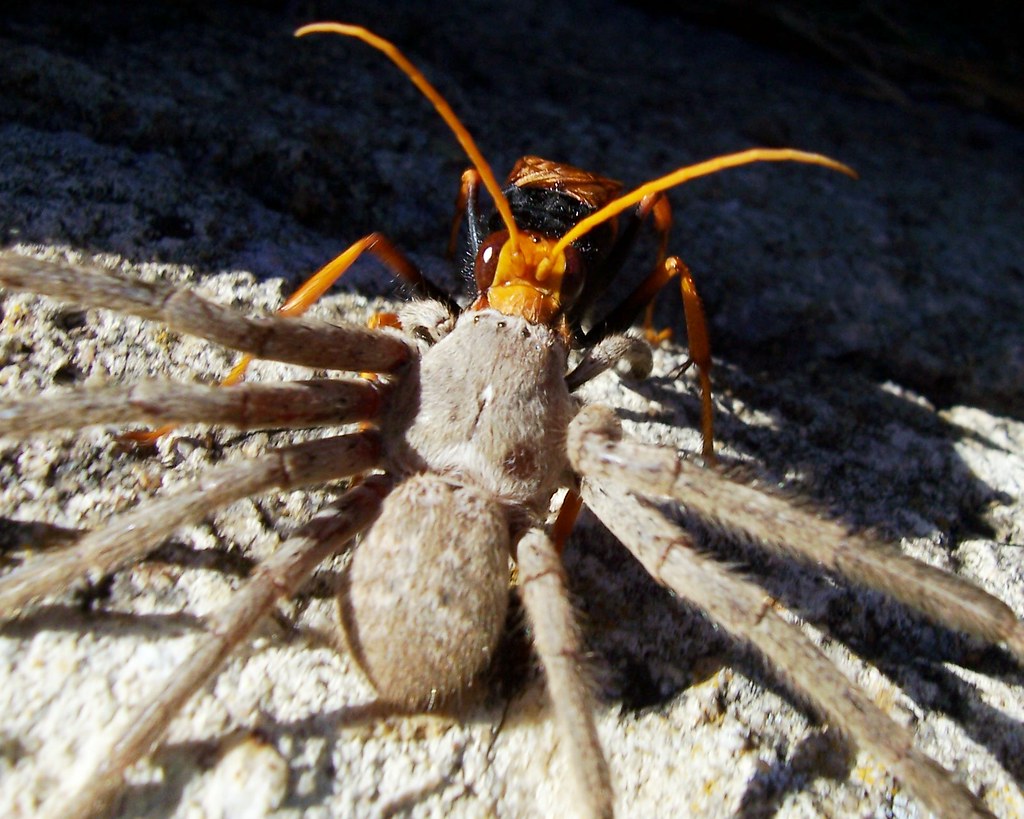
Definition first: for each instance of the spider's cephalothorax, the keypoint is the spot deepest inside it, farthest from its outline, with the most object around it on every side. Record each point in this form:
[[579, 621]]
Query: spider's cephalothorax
[[469, 430]]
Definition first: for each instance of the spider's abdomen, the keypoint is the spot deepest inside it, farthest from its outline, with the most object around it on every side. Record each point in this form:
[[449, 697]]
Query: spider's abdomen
[[428, 591]]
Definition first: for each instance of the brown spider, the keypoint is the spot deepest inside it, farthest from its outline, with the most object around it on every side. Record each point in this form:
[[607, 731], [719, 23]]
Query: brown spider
[[475, 429]]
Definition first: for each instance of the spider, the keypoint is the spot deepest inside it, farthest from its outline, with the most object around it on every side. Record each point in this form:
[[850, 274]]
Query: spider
[[467, 434]]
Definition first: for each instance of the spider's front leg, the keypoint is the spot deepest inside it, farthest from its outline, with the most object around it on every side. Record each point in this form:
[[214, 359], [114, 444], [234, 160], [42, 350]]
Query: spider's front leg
[[292, 340], [296, 340]]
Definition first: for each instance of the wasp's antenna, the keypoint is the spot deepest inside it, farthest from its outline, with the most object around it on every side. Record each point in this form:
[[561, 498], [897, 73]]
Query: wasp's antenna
[[678, 177], [443, 108]]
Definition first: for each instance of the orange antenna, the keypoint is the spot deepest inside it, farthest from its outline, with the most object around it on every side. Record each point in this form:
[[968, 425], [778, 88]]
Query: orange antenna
[[443, 108], [678, 177]]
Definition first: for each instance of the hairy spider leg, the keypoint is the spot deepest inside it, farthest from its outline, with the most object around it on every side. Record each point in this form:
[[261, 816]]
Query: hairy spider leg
[[309, 292]]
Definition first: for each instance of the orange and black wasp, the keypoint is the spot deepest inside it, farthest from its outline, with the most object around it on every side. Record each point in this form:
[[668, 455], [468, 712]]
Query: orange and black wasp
[[553, 245]]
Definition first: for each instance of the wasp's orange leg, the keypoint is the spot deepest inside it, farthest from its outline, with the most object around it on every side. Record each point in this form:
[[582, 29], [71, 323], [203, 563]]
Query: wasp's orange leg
[[375, 322], [697, 339], [567, 514], [654, 206], [657, 206], [699, 345], [378, 320], [696, 332]]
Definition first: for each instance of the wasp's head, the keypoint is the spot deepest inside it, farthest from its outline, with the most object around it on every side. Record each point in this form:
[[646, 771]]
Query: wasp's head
[[523, 275]]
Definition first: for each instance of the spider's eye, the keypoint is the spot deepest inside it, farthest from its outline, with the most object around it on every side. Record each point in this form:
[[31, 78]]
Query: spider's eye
[[487, 259]]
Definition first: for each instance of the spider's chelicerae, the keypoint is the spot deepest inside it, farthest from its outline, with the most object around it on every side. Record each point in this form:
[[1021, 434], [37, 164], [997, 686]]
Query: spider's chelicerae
[[463, 431]]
